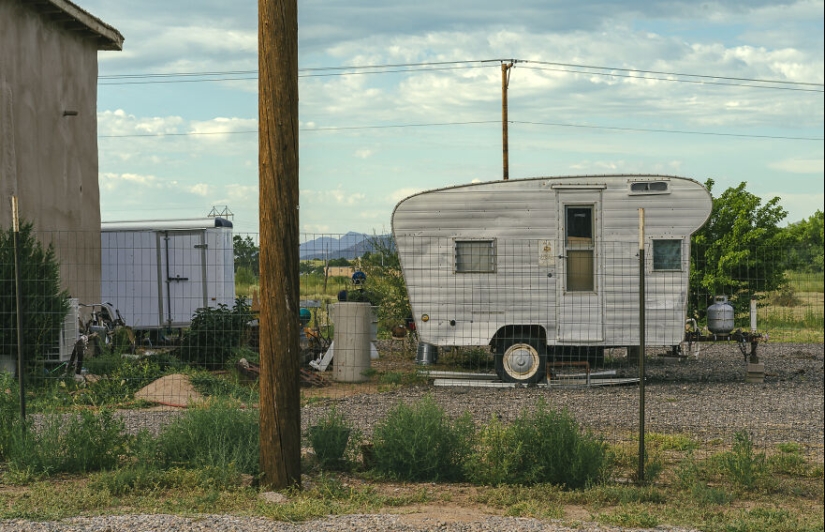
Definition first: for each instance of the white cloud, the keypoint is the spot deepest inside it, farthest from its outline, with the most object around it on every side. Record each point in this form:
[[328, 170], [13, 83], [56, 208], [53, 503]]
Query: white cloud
[[800, 166], [201, 189]]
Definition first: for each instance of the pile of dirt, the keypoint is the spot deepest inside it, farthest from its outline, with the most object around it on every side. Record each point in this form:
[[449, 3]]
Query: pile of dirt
[[172, 390]]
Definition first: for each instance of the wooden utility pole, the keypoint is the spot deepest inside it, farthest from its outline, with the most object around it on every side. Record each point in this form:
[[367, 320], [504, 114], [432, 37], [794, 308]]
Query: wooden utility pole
[[280, 391], [505, 78]]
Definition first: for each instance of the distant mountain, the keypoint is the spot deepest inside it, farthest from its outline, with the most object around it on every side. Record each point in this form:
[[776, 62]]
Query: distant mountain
[[349, 246]]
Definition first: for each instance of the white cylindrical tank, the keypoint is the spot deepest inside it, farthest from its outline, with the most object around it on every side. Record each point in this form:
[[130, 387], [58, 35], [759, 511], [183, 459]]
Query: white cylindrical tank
[[720, 316], [352, 337]]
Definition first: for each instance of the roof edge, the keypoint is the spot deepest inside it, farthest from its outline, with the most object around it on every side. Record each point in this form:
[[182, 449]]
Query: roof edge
[[108, 38]]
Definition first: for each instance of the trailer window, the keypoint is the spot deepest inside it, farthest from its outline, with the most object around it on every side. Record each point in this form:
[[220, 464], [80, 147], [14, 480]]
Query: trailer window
[[475, 256], [667, 255], [579, 248], [648, 187]]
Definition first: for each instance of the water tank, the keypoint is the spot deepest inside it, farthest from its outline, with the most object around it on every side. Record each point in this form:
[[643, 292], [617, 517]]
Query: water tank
[[720, 316], [352, 341]]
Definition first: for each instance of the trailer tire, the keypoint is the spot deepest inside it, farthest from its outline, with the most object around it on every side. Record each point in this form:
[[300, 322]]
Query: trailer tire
[[522, 361]]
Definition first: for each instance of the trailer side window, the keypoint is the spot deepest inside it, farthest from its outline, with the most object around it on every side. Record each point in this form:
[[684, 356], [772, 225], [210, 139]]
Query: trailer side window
[[475, 256], [667, 255], [579, 248], [648, 187]]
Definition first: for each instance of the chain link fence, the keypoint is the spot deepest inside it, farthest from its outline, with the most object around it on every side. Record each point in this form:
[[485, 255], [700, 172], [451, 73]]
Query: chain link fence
[[490, 328]]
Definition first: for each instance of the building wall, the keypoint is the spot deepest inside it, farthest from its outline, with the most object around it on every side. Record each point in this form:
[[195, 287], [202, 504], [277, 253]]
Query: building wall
[[48, 156]]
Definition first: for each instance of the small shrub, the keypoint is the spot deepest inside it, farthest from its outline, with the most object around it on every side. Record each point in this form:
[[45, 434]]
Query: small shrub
[[742, 464], [215, 435], [497, 455], [330, 438], [540, 447], [418, 442], [214, 333], [72, 443]]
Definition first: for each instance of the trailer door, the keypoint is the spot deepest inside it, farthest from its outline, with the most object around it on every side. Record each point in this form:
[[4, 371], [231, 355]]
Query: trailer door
[[580, 311], [183, 266]]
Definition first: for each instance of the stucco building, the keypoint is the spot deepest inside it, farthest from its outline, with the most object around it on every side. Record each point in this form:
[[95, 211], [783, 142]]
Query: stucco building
[[48, 130]]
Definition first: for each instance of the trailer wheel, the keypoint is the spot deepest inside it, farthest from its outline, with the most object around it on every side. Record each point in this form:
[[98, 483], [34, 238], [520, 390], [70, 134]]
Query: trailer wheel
[[522, 362]]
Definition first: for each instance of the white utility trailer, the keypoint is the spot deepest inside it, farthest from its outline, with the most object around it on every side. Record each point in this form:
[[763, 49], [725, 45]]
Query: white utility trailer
[[549, 267], [158, 273]]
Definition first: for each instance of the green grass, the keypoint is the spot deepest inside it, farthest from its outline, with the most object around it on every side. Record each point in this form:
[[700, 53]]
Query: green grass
[[730, 489]]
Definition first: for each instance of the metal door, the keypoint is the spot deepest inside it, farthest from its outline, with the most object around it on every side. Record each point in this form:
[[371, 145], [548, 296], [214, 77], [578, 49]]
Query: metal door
[[580, 311], [183, 270]]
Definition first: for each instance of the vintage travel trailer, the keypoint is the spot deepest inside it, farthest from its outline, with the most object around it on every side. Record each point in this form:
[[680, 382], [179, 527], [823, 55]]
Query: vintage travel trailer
[[549, 267], [158, 273]]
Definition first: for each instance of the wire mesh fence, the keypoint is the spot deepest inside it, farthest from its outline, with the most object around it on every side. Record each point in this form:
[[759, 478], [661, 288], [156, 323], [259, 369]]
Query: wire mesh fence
[[490, 327]]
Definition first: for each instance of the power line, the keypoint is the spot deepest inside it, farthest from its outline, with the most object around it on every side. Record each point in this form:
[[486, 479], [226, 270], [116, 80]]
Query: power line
[[677, 74], [694, 81], [480, 122], [218, 76]]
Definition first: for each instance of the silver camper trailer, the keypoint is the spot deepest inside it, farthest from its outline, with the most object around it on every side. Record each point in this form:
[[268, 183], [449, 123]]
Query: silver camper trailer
[[549, 267], [159, 273]]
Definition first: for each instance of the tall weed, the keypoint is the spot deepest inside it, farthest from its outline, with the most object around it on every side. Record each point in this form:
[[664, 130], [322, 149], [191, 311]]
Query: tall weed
[[744, 466]]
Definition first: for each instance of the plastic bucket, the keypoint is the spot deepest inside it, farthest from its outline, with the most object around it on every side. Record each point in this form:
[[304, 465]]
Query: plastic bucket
[[427, 354]]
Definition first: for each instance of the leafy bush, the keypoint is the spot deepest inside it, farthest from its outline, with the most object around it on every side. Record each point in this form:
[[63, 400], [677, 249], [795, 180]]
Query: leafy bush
[[330, 438], [419, 442], [71, 443], [539, 447], [215, 333], [44, 304], [216, 435]]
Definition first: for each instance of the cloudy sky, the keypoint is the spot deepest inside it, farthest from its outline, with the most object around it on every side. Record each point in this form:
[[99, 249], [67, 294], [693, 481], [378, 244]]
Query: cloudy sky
[[397, 97]]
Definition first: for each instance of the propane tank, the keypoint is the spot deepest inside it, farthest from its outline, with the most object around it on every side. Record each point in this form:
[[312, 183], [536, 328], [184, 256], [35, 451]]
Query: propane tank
[[720, 316]]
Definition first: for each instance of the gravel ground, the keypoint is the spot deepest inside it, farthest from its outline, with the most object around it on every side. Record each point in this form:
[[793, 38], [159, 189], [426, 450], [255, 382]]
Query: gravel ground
[[346, 523], [706, 397]]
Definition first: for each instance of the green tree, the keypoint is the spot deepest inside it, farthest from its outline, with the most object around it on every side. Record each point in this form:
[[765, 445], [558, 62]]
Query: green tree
[[44, 304], [342, 262], [806, 239], [737, 253], [386, 282], [247, 254]]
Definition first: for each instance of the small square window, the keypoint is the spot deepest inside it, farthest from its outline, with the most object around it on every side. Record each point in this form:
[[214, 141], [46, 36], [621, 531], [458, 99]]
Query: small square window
[[667, 255], [475, 256]]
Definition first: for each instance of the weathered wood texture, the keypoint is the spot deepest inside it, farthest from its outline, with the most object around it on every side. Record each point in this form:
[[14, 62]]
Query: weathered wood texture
[[278, 189]]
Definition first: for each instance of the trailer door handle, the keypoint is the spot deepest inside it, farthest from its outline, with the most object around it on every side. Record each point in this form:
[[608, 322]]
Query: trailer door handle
[[177, 278]]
